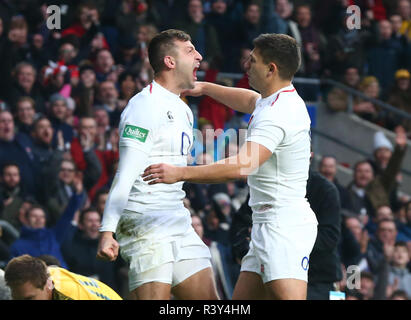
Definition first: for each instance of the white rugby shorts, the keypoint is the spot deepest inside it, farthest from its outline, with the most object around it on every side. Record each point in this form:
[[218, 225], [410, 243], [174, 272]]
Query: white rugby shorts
[[160, 255], [280, 248]]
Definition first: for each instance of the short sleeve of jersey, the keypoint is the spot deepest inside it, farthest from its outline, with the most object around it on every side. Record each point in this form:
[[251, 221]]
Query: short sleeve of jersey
[[138, 124], [266, 130]]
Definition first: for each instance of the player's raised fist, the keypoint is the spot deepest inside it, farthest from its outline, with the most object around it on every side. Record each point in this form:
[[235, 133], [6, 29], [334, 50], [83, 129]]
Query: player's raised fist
[[107, 247]]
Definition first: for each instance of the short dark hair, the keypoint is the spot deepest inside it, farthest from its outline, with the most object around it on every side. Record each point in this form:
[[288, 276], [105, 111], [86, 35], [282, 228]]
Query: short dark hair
[[26, 269], [399, 293], [281, 49], [85, 211], [37, 121], [163, 44], [34, 207], [9, 164], [358, 163], [401, 244], [386, 220]]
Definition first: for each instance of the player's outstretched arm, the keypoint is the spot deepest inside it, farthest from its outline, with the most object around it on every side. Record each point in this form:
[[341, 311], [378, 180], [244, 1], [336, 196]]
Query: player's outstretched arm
[[250, 157], [239, 99], [131, 164]]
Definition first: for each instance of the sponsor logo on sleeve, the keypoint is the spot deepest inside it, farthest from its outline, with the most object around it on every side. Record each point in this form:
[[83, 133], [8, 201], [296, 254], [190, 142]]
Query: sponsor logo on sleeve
[[134, 132]]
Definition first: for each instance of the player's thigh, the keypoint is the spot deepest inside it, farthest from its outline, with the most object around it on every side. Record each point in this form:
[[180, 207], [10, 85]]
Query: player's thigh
[[286, 289], [152, 291], [198, 286], [152, 284], [249, 286]]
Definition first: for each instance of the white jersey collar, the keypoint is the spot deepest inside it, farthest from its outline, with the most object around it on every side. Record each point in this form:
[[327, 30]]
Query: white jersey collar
[[164, 91], [273, 97]]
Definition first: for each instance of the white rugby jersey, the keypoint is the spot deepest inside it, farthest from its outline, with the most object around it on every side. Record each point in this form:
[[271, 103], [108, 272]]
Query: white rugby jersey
[[159, 124], [280, 123]]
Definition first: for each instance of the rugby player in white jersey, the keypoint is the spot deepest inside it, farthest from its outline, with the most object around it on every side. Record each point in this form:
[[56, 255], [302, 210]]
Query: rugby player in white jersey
[[152, 227], [275, 157]]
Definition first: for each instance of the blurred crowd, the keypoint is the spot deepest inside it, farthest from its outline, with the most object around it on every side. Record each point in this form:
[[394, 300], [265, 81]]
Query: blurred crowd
[[62, 91]]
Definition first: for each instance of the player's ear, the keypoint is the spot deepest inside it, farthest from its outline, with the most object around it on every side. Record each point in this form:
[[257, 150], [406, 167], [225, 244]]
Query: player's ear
[[170, 62], [272, 68]]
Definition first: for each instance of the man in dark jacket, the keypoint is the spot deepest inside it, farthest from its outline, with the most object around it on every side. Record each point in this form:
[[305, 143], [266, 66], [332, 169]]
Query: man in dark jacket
[[35, 239], [17, 148], [325, 266], [80, 250]]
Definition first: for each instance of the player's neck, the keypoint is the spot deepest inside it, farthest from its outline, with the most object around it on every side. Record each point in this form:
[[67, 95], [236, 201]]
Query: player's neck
[[167, 83], [273, 87]]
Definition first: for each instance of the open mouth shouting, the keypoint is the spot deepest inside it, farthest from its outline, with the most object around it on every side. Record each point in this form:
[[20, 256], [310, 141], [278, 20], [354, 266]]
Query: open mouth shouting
[[195, 73]]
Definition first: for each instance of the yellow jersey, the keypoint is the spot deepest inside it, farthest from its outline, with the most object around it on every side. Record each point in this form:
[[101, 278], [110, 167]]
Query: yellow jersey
[[72, 286]]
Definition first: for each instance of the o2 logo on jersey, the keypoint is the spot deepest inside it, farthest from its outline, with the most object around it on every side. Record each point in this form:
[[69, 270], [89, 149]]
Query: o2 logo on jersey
[[185, 143], [304, 263]]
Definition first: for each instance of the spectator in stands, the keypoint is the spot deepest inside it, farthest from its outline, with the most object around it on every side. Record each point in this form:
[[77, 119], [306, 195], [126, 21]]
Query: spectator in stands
[[25, 85], [36, 239], [68, 52], [132, 14], [18, 35], [58, 117], [370, 87], [313, 42], [354, 241], [47, 158], [386, 56], [108, 97], [400, 97], [127, 87], [25, 115], [345, 47], [387, 165], [382, 152], [367, 285], [17, 148], [86, 26], [312, 51], [404, 228], [85, 91], [204, 36], [103, 126], [359, 203], [144, 71], [39, 53], [11, 194], [399, 295], [284, 9], [80, 250], [104, 65], [216, 226], [85, 143], [53, 78], [338, 99], [60, 188], [404, 10], [328, 168], [396, 22], [398, 275], [221, 19], [383, 212], [100, 200], [384, 241]]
